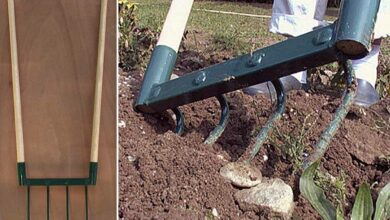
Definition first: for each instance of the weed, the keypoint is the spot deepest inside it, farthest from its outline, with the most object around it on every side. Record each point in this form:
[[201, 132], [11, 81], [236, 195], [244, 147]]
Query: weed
[[334, 187], [135, 44], [363, 208], [383, 83], [293, 144]]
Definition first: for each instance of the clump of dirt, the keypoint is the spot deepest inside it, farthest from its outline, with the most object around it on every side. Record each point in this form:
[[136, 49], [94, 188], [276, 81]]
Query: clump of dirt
[[166, 176]]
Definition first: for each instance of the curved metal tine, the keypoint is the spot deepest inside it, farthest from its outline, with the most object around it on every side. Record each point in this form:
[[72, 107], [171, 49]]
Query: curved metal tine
[[280, 107], [217, 132], [339, 116], [179, 121]]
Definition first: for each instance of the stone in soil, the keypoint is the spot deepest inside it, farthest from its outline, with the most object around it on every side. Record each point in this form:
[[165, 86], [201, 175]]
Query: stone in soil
[[241, 174], [272, 198]]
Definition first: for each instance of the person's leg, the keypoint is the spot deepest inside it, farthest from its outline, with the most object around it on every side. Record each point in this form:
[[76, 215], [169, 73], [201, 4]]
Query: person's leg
[[292, 18], [366, 68], [366, 74]]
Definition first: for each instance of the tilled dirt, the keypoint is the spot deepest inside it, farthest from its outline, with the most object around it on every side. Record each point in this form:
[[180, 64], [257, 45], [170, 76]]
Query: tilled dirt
[[166, 176]]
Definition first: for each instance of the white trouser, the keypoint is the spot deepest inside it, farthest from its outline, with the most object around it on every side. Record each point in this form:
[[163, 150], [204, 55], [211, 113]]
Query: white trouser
[[382, 27], [366, 68], [296, 17]]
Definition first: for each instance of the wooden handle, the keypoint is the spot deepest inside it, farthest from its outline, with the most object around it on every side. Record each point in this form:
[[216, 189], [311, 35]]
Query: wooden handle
[[15, 83], [175, 24], [99, 83]]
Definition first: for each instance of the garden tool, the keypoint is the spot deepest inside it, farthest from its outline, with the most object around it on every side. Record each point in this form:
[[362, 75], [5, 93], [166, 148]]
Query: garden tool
[[349, 37], [21, 165]]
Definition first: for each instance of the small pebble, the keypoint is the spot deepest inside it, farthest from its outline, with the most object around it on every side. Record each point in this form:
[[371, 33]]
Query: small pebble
[[214, 212], [221, 157], [122, 124], [265, 157], [131, 158]]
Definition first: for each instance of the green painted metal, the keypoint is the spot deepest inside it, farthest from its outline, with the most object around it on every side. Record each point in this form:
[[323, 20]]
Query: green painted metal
[[339, 116], [28, 202], [158, 71], [86, 203], [355, 26], [48, 202], [348, 37], [179, 121], [67, 203], [91, 180], [266, 64], [217, 132], [280, 108]]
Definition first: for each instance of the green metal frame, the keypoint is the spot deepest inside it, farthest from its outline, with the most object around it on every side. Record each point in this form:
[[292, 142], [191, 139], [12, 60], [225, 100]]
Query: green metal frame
[[90, 180], [48, 182], [347, 38]]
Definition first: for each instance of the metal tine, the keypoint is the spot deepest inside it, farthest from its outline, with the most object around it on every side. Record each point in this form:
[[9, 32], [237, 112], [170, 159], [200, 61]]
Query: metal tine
[[280, 107], [86, 202], [217, 132], [339, 116], [28, 202], [179, 121], [67, 202], [47, 202]]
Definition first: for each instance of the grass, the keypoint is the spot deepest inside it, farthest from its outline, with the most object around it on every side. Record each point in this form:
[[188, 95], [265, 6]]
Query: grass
[[224, 27], [232, 32]]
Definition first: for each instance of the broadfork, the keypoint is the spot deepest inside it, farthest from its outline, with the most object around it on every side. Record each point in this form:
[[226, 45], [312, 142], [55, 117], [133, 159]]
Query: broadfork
[[21, 165], [349, 37]]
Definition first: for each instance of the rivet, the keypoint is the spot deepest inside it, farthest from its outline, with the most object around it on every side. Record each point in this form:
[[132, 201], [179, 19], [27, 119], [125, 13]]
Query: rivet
[[323, 36], [200, 78], [255, 59]]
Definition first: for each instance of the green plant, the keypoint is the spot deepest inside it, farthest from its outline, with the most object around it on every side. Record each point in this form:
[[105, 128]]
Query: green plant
[[383, 84], [127, 51], [135, 44], [126, 3], [363, 208], [335, 187], [293, 144]]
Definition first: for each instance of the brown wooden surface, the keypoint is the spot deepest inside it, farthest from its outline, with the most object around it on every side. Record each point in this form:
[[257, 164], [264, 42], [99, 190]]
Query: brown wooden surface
[[57, 46]]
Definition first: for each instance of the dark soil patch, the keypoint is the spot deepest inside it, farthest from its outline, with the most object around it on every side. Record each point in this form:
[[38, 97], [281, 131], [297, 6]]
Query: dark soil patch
[[166, 176]]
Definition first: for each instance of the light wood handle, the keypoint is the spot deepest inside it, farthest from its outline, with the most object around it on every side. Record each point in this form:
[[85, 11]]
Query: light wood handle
[[15, 83], [99, 83], [175, 24]]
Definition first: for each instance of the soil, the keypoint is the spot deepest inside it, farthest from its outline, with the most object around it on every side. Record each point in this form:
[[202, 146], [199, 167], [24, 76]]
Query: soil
[[166, 176]]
